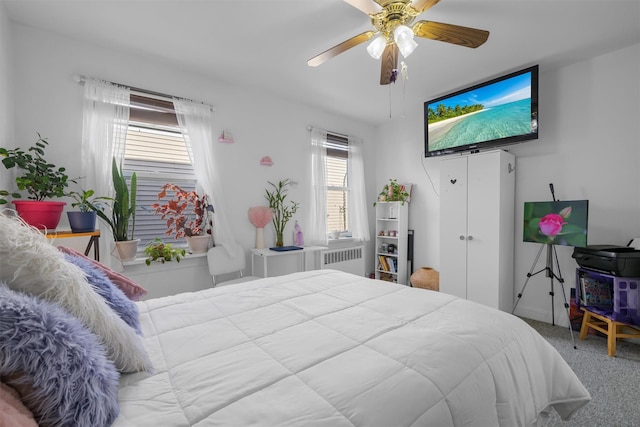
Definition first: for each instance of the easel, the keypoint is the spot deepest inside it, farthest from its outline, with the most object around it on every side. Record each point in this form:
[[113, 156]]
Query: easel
[[550, 273], [548, 269]]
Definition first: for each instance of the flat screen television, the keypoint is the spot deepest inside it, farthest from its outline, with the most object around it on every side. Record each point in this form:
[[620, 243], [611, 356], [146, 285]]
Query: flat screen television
[[487, 115], [558, 223]]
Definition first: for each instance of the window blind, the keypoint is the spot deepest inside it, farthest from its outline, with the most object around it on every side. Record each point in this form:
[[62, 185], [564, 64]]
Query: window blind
[[337, 183], [156, 151]]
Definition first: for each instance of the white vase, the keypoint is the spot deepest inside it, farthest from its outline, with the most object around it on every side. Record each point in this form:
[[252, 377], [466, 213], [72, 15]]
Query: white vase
[[127, 249], [260, 238], [198, 244]]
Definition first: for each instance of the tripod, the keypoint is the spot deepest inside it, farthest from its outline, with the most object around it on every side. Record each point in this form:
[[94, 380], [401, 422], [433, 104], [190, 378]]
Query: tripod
[[548, 269]]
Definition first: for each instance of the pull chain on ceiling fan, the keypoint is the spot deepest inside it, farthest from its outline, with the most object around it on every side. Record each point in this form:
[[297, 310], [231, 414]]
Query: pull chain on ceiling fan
[[391, 20]]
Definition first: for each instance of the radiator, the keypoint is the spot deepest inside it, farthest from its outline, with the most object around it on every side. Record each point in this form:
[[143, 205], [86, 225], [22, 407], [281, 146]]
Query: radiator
[[349, 260]]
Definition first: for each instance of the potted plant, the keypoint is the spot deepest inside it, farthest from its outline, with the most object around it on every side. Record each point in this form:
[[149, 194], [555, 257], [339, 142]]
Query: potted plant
[[123, 213], [393, 192], [41, 180], [188, 214], [282, 212], [84, 219], [158, 251]]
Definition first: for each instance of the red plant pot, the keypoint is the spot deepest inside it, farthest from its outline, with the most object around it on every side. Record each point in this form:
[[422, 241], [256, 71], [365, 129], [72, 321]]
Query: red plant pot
[[40, 214]]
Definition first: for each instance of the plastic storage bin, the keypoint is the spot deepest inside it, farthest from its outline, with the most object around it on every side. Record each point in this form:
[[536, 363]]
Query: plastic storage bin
[[624, 295], [626, 300]]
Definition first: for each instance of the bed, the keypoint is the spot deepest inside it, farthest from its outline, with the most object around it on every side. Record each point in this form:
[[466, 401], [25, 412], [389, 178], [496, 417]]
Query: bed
[[318, 348], [330, 348]]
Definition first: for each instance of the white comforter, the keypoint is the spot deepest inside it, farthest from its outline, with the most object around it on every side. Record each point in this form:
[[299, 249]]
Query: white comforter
[[326, 348]]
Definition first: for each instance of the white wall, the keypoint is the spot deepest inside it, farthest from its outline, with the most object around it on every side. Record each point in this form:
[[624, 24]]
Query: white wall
[[6, 87], [589, 148], [50, 102]]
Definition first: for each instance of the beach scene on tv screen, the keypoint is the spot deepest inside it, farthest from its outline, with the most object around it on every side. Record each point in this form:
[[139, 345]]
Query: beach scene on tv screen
[[499, 110]]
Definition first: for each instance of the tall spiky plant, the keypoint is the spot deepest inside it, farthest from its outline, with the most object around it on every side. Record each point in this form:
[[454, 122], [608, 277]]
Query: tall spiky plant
[[282, 212], [123, 205]]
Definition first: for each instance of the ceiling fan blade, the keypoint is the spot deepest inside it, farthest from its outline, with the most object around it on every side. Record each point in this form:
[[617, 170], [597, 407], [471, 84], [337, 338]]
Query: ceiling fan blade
[[339, 48], [463, 36], [422, 5], [389, 63], [367, 6]]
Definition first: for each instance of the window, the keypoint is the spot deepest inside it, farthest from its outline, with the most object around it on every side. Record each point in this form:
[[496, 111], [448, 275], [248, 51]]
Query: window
[[337, 184], [156, 151]]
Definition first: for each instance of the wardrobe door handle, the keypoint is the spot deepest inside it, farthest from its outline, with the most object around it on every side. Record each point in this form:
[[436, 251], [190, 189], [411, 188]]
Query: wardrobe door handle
[[470, 238]]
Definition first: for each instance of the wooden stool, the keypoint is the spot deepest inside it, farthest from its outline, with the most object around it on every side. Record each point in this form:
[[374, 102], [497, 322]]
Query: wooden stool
[[612, 329]]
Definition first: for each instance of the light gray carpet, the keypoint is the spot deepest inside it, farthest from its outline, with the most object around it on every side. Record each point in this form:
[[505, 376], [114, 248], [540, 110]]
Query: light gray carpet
[[614, 382]]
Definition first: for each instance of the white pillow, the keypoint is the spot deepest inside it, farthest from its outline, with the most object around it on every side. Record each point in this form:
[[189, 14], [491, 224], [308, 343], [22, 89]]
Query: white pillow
[[28, 263]]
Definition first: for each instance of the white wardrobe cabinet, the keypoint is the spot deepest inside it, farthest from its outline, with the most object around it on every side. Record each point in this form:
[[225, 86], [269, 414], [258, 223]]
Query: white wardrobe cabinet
[[477, 227]]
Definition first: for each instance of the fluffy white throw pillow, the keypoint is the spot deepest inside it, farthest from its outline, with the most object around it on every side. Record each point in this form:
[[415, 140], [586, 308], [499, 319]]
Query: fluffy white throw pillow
[[28, 263]]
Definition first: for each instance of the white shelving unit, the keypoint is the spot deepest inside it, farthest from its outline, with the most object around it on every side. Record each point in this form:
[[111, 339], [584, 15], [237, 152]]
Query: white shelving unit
[[392, 241]]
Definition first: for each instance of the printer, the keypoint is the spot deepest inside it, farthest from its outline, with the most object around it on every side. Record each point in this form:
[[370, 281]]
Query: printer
[[621, 261]]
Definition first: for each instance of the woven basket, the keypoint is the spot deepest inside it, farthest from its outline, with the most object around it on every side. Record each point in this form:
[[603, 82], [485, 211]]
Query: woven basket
[[426, 278]]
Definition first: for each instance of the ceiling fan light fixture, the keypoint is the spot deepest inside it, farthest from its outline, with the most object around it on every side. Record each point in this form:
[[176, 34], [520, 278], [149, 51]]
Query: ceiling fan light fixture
[[403, 37], [376, 47]]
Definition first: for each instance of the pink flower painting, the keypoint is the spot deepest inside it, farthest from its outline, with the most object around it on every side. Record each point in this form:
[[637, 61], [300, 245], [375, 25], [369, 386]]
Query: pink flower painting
[[551, 224], [557, 222]]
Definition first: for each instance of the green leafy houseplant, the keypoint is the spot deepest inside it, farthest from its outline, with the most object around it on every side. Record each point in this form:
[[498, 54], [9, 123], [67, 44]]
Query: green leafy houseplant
[[123, 205], [5, 193], [41, 179], [282, 212], [84, 219], [158, 251], [85, 202], [393, 192]]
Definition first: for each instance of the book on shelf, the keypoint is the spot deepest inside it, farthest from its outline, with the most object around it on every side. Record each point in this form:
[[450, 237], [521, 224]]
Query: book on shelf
[[388, 264], [595, 293], [383, 263]]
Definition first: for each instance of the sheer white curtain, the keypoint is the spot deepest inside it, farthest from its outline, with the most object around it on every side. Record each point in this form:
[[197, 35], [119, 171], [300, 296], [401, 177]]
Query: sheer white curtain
[[196, 124], [104, 133], [358, 220], [317, 234]]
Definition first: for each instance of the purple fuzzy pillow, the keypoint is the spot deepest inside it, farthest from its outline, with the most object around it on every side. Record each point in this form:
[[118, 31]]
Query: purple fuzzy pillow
[[60, 368], [113, 296]]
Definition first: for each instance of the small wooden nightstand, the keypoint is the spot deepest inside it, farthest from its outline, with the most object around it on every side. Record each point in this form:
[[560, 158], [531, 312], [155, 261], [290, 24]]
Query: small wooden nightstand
[[94, 237]]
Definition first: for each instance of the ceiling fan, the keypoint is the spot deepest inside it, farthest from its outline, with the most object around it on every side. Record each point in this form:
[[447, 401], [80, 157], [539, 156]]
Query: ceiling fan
[[391, 20]]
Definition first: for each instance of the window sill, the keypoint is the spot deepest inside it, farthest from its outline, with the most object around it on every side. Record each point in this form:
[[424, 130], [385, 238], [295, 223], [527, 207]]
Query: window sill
[[140, 260], [343, 241]]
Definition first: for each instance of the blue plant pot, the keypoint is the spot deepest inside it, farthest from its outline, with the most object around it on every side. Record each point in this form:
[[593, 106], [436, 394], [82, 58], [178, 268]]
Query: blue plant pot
[[82, 222]]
